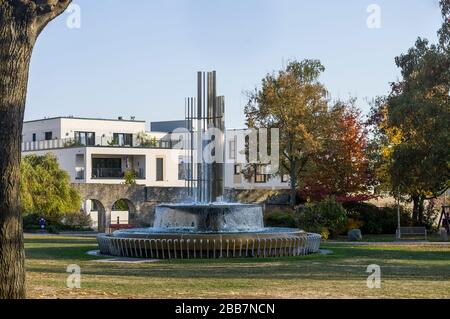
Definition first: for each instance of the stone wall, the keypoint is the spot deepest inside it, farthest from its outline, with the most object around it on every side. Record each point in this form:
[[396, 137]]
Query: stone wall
[[142, 200]]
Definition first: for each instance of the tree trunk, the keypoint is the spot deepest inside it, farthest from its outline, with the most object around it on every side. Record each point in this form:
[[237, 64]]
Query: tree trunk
[[21, 22], [421, 211], [415, 212], [293, 184], [15, 55]]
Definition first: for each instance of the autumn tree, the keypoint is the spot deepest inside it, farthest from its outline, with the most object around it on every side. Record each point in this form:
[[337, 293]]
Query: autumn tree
[[340, 168], [21, 22], [294, 101], [379, 146]]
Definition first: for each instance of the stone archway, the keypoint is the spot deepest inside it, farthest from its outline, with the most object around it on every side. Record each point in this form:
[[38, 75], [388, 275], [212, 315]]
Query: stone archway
[[97, 211], [123, 211]]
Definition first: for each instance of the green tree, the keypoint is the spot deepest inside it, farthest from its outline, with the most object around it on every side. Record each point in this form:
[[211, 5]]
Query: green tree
[[444, 32], [46, 189], [294, 101], [418, 111], [412, 123], [378, 147], [121, 205]]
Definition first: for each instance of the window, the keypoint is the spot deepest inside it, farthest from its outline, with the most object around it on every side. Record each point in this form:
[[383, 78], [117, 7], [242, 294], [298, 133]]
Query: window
[[122, 139], [182, 169], [48, 136], [159, 169], [237, 169], [85, 138], [79, 173], [107, 168], [34, 137], [260, 176], [284, 178], [232, 148]]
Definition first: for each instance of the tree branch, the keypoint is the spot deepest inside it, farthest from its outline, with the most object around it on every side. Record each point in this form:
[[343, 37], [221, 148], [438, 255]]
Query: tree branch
[[47, 10]]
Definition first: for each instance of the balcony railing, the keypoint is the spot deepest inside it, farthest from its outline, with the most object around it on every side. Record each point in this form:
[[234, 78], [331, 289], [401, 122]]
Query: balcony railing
[[99, 142], [107, 173], [113, 173]]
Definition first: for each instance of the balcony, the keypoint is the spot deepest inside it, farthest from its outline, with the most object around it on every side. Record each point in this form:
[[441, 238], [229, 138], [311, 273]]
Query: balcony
[[114, 173], [100, 141]]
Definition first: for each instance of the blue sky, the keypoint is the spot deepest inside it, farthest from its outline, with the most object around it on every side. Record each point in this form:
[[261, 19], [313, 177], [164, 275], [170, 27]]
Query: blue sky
[[139, 57]]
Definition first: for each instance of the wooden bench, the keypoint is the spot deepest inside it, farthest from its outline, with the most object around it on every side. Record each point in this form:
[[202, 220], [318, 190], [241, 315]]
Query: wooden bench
[[411, 231]]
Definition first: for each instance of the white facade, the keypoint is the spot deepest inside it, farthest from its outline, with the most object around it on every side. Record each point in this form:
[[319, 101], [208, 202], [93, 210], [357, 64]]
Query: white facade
[[101, 151]]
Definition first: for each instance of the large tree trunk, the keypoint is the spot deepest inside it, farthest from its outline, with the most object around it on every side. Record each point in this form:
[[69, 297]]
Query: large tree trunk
[[20, 24], [418, 209], [415, 212], [15, 55], [421, 218]]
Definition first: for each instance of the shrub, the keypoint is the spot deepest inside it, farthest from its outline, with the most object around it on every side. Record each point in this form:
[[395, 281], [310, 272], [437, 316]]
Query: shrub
[[324, 233], [66, 222], [376, 220], [281, 218], [328, 214], [353, 223], [130, 177], [76, 220]]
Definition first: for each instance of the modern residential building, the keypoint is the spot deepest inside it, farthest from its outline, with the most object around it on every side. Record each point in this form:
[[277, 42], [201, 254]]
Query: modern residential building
[[102, 150]]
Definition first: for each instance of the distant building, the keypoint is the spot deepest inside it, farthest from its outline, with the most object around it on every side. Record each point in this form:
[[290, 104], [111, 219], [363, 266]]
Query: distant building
[[100, 151]]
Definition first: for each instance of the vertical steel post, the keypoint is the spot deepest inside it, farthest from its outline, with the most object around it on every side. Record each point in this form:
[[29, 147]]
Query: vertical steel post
[[208, 111]]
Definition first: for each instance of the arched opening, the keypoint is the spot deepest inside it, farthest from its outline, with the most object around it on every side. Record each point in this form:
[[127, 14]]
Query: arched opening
[[122, 212], [95, 209]]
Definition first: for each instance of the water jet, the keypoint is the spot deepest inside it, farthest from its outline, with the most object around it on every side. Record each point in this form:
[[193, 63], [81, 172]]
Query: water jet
[[207, 227]]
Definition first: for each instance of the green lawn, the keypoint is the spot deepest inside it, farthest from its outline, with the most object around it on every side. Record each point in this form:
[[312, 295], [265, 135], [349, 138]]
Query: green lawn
[[407, 271]]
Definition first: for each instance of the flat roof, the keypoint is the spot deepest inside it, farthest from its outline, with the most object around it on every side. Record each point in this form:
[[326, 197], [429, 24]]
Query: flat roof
[[83, 118]]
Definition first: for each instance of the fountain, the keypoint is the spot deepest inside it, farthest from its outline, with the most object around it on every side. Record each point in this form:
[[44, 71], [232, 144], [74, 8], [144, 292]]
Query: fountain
[[207, 227]]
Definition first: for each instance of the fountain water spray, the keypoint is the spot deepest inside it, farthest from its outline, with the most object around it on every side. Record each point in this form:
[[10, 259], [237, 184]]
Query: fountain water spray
[[207, 227]]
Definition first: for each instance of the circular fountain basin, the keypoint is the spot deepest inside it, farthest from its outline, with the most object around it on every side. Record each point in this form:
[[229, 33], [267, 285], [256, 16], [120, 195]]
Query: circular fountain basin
[[208, 231]]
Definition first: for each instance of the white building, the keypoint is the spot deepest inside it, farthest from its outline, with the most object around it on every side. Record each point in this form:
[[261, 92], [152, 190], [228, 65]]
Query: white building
[[102, 150]]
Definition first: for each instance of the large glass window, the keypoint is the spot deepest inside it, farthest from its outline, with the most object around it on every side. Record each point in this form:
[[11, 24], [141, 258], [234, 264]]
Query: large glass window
[[123, 139], [85, 138], [107, 168]]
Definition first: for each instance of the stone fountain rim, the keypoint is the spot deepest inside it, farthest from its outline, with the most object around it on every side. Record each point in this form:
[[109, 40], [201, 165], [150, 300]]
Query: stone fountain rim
[[207, 205], [274, 231]]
